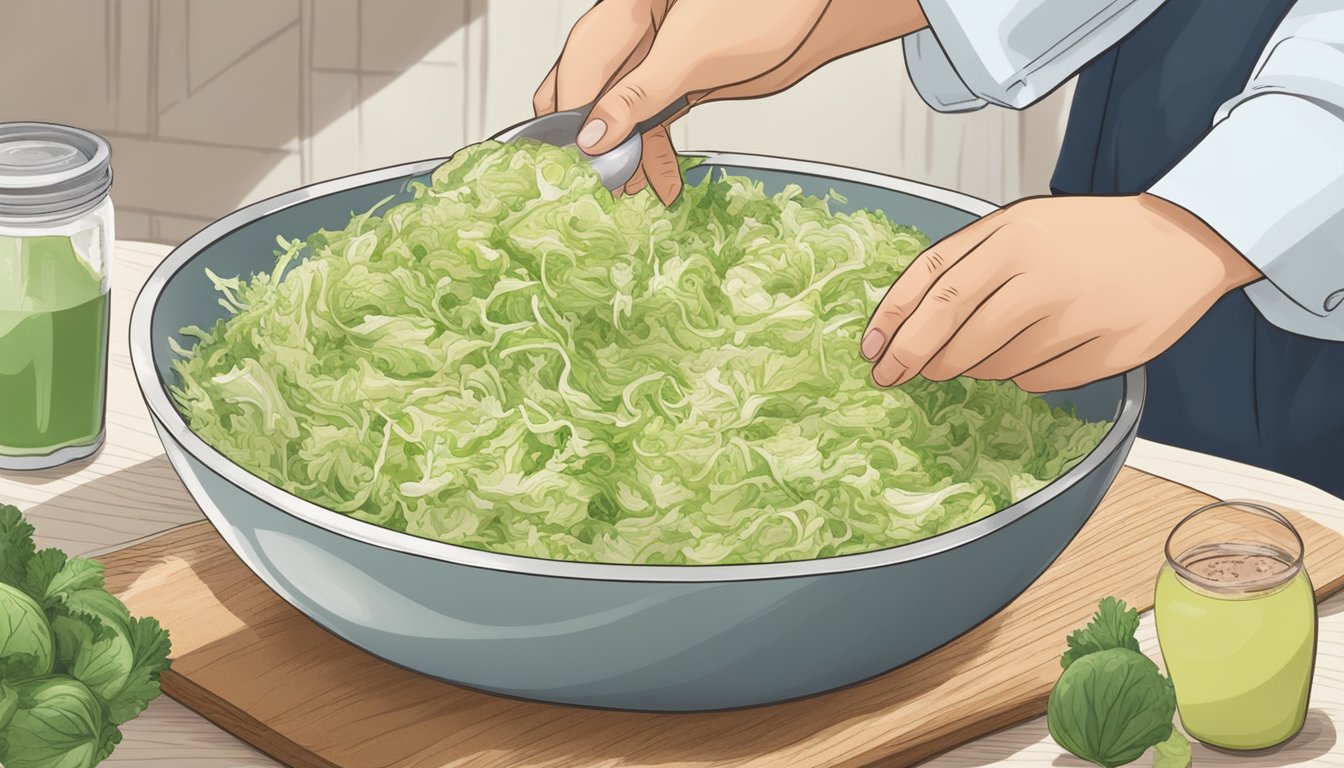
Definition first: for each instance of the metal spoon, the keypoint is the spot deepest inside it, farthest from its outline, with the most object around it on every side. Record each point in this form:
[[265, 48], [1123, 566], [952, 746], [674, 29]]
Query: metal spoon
[[561, 129]]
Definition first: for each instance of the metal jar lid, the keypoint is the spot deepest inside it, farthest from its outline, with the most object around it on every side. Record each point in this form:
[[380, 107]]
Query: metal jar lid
[[49, 171]]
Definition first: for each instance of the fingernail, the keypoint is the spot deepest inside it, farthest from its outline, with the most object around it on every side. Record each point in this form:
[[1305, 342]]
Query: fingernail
[[872, 344], [592, 133]]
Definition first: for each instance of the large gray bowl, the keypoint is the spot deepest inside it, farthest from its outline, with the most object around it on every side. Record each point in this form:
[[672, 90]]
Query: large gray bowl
[[667, 638]]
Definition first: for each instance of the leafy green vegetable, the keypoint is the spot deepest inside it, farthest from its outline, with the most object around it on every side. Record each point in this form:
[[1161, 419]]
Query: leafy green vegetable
[[16, 545], [1110, 706], [1174, 752], [124, 668], [517, 361], [1112, 627], [1112, 703], [74, 663], [24, 630], [57, 723]]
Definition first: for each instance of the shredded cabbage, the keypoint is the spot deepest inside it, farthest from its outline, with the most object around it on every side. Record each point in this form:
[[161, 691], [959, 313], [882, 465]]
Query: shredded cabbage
[[517, 361]]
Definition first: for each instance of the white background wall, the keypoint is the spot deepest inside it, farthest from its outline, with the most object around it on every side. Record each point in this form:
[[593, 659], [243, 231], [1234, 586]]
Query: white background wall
[[211, 104]]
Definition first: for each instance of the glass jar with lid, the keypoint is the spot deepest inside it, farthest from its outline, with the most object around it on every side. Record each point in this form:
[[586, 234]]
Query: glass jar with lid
[[56, 236]]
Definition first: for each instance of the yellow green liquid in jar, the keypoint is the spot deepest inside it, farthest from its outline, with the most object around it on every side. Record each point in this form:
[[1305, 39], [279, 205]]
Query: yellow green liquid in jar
[[1241, 661], [53, 347]]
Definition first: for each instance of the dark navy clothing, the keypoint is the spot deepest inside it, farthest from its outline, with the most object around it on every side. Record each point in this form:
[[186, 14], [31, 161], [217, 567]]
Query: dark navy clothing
[[1235, 385]]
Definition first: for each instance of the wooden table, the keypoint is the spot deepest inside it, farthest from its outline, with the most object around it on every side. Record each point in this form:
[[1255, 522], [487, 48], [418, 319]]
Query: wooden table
[[128, 491]]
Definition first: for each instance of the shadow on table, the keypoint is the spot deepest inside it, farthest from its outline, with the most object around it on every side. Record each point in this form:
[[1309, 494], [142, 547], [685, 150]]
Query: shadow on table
[[111, 510], [1332, 605], [44, 476]]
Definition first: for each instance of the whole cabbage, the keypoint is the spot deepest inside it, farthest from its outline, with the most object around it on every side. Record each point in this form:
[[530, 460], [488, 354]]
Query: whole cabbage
[[57, 722], [74, 663], [1110, 706]]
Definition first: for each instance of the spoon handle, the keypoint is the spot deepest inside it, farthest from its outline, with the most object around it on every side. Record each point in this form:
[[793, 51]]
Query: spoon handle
[[649, 124], [664, 116]]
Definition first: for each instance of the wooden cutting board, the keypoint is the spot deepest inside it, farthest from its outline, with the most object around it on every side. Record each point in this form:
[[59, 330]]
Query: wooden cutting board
[[250, 663]]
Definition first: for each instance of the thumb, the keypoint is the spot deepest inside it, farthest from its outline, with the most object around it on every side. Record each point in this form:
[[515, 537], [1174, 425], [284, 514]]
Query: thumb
[[641, 94]]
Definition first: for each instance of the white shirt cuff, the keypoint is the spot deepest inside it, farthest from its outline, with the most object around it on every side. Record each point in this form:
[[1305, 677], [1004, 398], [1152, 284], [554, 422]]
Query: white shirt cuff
[[1011, 53], [1270, 180], [934, 77]]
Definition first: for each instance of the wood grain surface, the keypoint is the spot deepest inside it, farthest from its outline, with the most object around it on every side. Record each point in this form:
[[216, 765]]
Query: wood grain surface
[[252, 664]]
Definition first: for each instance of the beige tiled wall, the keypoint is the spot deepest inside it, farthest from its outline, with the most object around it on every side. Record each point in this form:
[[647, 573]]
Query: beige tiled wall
[[211, 104]]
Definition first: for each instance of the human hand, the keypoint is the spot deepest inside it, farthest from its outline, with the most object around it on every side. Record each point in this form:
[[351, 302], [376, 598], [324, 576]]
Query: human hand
[[1052, 293], [641, 55]]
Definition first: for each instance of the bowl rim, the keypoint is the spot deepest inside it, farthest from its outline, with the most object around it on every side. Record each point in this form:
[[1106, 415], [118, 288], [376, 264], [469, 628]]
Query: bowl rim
[[171, 424]]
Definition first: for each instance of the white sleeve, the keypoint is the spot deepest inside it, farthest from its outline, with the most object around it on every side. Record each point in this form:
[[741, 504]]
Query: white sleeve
[[978, 52], [1269, 177]]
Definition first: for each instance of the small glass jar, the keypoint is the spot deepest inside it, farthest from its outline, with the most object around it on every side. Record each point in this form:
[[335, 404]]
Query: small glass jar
[[1236, 620], [56, 236]]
